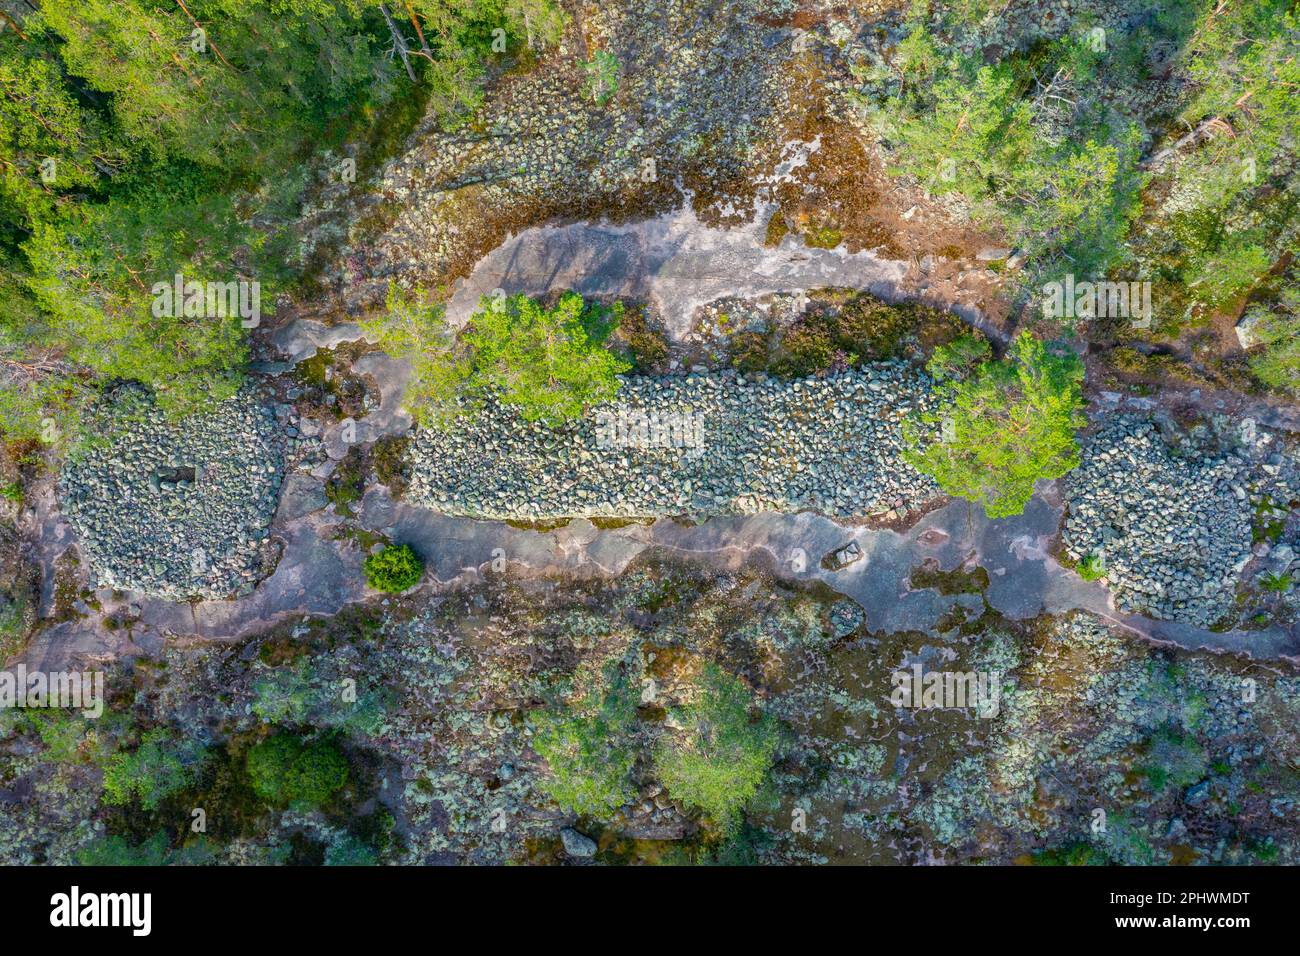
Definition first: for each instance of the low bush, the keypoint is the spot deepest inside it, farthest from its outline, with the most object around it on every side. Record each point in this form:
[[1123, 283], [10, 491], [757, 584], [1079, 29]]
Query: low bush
[[718, 764], [588, 751], [393, 569]]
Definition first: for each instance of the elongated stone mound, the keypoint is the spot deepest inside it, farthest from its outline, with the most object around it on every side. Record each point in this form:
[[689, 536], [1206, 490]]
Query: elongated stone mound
[[696, 445]]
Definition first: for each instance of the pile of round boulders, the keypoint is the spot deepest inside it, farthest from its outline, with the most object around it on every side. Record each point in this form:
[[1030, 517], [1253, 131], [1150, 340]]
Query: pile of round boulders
[[1168, 522], [694, 445], [178, 509]]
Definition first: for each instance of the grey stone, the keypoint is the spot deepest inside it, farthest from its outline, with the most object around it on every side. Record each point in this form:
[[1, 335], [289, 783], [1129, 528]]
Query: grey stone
[[577, 844]]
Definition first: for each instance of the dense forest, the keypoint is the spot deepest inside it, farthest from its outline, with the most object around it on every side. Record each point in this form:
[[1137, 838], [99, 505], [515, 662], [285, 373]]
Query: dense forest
[[141, 140]]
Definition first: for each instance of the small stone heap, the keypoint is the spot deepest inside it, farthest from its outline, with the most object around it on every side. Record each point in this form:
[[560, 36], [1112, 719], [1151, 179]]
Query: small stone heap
[[1173, 531], [178, 509], [697, 445]]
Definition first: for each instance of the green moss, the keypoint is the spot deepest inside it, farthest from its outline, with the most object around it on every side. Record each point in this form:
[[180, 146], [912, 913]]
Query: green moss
[[823, 237], [1268, 526], [392, 467], [806, 348], [750, 351], [347, 483], [777, 228], [1078, 853], [956, 581], [646, 347]]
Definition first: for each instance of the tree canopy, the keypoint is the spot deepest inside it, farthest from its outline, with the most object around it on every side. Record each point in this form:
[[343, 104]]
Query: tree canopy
[[550, 363], [143, 139], [1001, 424]]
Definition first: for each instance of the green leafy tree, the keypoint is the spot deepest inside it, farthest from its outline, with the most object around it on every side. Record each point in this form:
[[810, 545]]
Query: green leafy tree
[[588, 749], [414, 328], [543, 361], [140, 140], [1219, 278], [1232, 221], [722, 756], [958, 358], [964, 133], [1002, 427], [283, 770], [1277, 362], [549, 363], [1065, 188], [161, 766], [917, 54]]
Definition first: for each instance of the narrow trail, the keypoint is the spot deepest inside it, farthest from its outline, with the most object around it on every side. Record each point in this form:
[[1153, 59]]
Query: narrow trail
[[320, 574]]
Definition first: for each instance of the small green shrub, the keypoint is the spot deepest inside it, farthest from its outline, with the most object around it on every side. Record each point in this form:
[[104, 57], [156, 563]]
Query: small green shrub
[[1092, 568], [959, 357], [116, 851], [160, 766], [1281, 583], [394, 569], [602, 76]]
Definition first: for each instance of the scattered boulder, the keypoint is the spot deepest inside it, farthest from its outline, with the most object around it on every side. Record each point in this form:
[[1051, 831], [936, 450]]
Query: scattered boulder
[[841, 559], [577, 844]]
